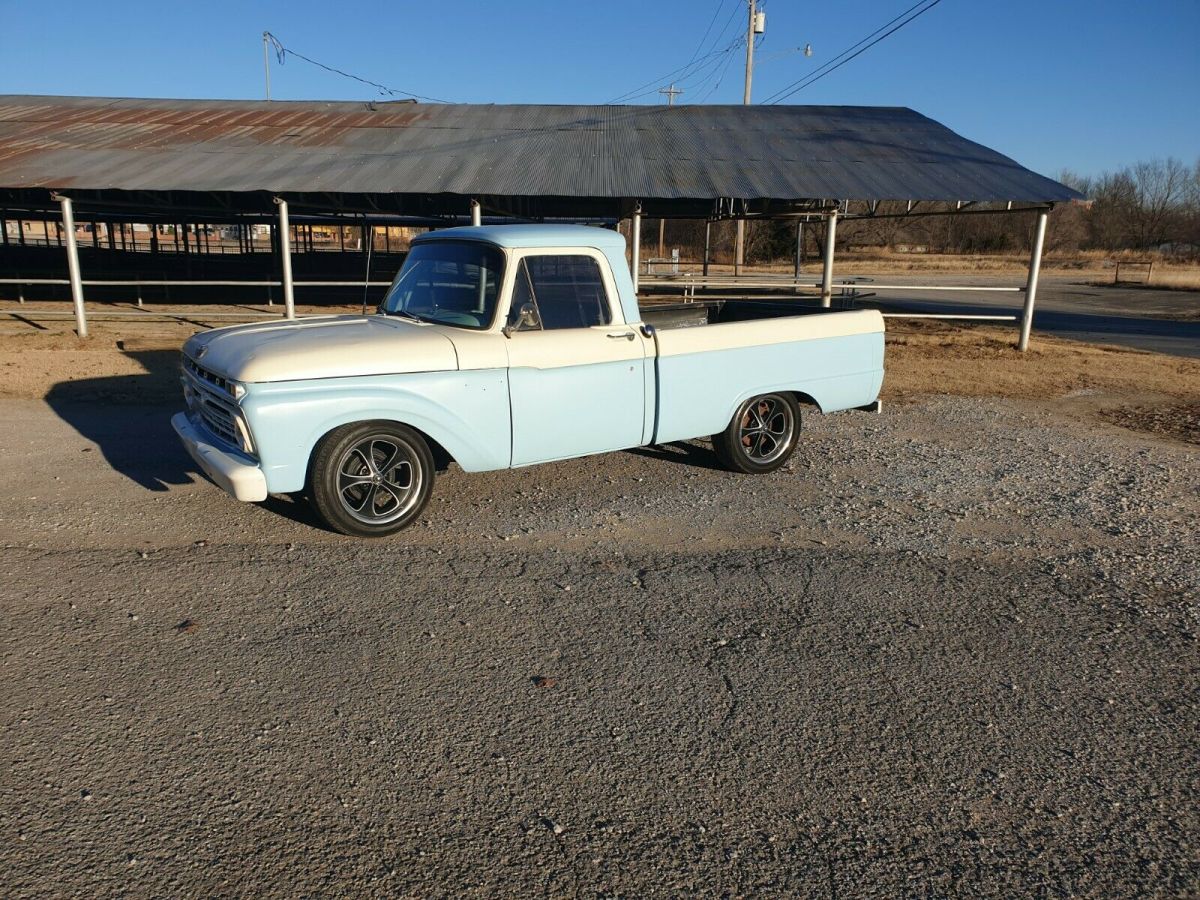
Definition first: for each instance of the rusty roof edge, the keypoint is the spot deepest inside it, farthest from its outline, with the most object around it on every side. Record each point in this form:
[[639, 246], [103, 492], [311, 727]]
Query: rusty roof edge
[[692, 152]]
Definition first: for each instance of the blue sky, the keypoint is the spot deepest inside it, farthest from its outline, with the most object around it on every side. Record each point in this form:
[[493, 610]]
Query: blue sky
[[1056, 83]]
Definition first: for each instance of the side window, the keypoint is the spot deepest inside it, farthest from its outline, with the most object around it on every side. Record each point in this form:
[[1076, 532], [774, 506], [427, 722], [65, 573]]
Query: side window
[[522, 298], [568, 291]]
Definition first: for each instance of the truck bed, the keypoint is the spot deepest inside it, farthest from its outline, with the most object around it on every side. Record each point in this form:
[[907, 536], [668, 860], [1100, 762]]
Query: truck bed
[[712, 355]]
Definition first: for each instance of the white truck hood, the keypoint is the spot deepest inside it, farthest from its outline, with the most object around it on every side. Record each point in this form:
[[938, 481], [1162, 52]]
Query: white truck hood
[[322, 347]]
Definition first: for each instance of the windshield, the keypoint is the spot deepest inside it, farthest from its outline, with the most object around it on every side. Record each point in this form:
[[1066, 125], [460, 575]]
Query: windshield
[[448, 282]]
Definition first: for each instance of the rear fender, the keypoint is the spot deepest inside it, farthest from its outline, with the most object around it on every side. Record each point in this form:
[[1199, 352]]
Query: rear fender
[[698, 393]]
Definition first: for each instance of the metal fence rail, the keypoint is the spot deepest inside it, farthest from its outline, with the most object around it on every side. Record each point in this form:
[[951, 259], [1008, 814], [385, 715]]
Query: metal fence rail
[[687, 284], [194, 283], [691, 285], [166, 283]]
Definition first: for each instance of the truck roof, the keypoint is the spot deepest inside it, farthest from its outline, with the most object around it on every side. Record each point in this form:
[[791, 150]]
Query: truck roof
[[519, 236]]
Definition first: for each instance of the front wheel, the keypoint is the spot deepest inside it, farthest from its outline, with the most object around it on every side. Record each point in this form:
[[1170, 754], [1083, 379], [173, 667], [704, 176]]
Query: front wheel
[[761, 435], [371, 479]]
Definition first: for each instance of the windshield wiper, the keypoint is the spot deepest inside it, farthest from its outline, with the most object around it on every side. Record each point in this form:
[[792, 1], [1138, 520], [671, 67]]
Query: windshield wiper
[[404, 314]]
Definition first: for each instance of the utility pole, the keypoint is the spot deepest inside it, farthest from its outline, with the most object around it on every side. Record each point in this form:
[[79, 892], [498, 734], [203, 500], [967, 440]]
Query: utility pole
[[750, 51], [267, 62], [671, 93], [756, 25]]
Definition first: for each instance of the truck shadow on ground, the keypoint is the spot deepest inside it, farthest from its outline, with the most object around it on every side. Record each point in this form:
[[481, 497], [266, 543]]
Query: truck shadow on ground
[[129, 418], [700, 456], [295, 508]]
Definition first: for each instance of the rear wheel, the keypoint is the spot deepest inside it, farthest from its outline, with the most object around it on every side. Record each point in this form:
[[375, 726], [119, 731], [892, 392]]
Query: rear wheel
[[761, 435], [371, 479]]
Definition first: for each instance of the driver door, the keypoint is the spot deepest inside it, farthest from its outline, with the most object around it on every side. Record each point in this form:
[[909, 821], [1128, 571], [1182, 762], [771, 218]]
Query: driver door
[[577, 372]]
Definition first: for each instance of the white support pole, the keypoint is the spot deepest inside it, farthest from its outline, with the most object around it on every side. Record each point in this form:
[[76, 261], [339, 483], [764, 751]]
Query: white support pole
[[1035, 268], [476, 213], [636, 239], [707, 244], [827, 269], [68, 221], [798, 265], [285, 258], [739, 247]]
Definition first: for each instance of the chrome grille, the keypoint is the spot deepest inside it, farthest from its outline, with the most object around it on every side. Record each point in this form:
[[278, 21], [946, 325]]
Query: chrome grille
[[208, 396], [204, 375], [218, 416]]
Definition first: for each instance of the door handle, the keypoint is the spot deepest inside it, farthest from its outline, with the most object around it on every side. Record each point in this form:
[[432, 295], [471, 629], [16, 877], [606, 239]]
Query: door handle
[[617, 335]]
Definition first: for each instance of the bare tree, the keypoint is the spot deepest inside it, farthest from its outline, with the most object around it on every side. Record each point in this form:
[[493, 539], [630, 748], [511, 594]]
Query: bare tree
[[1159, 188]]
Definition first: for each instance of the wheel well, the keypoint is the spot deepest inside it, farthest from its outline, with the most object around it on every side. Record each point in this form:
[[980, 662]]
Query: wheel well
[[441, 457], [805, 400]]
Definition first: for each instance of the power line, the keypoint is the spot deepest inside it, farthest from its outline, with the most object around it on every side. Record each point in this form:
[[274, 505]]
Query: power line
[[716, 12], [838, 61], [282, 52], [716, 75], [725, 28], [721, 77], [703, 76], [679, 74], [820, 69], [654, 83], [684, 71]]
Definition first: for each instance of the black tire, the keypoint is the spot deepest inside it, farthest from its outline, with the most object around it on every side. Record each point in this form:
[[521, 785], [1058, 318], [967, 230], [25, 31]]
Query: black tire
[[761, 436], [371, 479]]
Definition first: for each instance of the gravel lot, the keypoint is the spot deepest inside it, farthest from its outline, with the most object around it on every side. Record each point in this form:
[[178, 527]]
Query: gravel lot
[[952, 649]]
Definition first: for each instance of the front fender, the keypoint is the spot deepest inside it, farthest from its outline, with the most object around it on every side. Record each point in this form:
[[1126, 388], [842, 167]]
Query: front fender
[[466, 412]]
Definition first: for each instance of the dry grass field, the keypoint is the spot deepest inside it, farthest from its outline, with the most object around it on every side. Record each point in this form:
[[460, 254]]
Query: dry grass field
[[1150, 392], [128, 362]]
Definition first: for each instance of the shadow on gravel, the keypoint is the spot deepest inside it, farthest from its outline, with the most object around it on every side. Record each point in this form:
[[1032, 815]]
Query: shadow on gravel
[[680, 452], [129, 418], [295, 508]]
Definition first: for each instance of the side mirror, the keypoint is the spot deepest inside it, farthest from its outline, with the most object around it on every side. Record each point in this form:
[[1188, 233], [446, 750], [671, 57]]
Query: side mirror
[[527, 318]]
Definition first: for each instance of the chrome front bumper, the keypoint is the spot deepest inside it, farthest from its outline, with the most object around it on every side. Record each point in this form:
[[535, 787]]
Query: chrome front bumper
[[243, 480]]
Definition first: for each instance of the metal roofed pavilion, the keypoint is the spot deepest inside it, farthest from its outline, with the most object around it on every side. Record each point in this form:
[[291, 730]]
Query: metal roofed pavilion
[[227, 159], [686, 160]]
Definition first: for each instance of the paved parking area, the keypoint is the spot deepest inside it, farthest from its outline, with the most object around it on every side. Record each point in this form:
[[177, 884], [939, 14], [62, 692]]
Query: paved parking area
[[951, 649]]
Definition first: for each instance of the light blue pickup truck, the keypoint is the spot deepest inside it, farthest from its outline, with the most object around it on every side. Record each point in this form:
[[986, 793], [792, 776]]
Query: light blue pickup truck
[[499, 347]]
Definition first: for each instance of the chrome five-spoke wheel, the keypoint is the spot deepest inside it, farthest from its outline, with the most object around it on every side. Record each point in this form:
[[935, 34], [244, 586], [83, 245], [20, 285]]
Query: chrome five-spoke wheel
[[378, 479], [761, 435], [371, 478], [766, 429]]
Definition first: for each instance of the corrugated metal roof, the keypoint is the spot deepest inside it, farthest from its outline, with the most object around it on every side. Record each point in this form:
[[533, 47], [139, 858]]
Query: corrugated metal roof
[[680, 152]]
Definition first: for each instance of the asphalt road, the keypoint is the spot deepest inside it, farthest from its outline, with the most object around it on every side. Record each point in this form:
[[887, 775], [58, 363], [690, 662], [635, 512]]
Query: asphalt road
[[1162, 321], [950, 650]]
